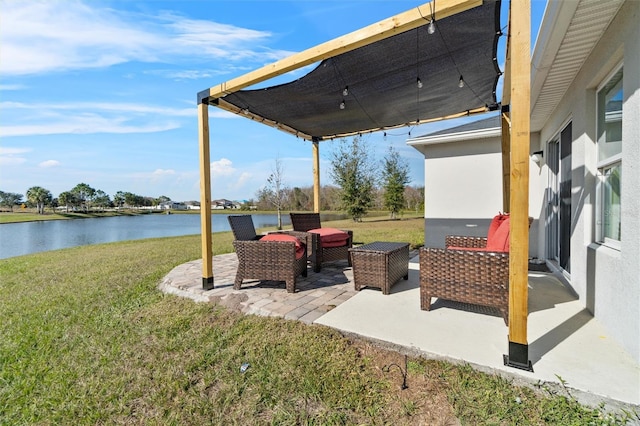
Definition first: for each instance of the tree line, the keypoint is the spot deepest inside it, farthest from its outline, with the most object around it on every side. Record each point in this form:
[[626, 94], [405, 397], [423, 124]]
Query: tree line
[[360, 182], [81, 197]]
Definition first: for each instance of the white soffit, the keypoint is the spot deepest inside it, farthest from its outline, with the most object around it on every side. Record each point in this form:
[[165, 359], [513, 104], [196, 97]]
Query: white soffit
[[568, 34]]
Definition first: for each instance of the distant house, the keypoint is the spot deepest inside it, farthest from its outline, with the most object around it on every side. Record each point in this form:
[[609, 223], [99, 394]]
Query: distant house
[[172, 205], [585, 115], [193, 205], [223, 204]]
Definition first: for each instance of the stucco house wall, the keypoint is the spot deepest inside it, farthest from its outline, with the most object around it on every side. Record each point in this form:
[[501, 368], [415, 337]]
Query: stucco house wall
[[463, 180], [606, 280]]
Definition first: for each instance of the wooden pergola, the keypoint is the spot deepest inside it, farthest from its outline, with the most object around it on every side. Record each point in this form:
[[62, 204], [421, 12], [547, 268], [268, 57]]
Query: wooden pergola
[[515, 137]]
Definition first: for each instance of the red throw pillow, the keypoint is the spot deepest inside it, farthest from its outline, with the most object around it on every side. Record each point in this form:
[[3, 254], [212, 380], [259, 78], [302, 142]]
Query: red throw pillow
[[499, 241], [495, 224], [331, 237], [290, 238]]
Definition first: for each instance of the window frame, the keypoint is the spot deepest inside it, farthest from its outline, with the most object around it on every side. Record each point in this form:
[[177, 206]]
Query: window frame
[[605, 164]]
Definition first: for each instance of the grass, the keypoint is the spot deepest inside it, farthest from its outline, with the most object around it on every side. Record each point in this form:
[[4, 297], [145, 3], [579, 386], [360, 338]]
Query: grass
[[30, 216], [9, 217], [88, 339]]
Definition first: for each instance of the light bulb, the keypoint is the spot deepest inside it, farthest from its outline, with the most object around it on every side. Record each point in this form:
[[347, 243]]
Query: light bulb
[[342, 105], [419, 83], [245, 111], [345, 92], [432, 27], [461, 83]]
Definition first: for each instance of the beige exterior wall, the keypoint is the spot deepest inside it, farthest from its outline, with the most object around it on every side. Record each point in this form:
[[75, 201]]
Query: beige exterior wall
[[463, 189], [463, 179]]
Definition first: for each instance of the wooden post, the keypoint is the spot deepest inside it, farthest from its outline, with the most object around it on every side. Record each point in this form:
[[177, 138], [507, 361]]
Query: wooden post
[[205, 195], [506, 159], [519, 110], [316, 176]]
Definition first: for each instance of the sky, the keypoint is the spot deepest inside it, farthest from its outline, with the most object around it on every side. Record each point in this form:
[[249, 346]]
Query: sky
[[104, 92]]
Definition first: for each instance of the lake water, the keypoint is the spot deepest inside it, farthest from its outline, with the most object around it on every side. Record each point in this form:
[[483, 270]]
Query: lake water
[[17, 239]]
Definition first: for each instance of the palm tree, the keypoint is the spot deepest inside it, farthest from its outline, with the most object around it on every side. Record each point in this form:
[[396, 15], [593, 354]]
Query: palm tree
[[40, 197]]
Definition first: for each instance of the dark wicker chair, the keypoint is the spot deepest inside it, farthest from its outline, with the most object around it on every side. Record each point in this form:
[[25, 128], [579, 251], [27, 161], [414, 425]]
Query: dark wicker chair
[[476, 277], [303, 222], [468, 276], [264, 260]]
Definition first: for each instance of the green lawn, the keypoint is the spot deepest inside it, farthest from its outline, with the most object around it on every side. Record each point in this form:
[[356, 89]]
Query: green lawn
[[30, 216], [86, 338]]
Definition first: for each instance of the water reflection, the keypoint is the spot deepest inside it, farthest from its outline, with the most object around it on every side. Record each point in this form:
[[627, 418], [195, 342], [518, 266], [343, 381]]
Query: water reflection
[[17, 239]]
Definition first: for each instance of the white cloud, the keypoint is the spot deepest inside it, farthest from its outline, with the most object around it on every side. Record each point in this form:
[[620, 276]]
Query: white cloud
[[162, 172], [101, 106], [85, 125], [49, 163], [227, 181], [42, 37], [13, 156], [13, 151], [8, 87], [91, 118], [11, 160], [222, 167]]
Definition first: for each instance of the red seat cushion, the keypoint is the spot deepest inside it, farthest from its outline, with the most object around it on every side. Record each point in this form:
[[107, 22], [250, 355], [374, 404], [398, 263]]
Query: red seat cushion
[[495, 223], [331, 237], [499, 241], [300, 250]]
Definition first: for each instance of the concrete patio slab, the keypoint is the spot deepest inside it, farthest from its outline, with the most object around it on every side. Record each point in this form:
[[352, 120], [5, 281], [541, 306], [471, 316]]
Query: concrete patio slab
[[565, 342]]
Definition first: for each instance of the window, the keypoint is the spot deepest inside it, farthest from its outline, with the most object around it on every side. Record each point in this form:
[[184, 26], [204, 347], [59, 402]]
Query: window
[[609, 130]]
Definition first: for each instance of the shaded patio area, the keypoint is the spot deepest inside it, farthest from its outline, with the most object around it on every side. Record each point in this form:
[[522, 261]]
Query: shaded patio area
[[565, 340]]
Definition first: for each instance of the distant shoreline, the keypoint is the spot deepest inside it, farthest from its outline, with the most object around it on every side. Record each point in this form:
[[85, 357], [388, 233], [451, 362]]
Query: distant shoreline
[[29, 216]]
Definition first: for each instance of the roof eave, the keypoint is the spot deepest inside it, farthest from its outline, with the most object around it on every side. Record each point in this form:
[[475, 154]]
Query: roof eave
[[555, 22], [455, 137]]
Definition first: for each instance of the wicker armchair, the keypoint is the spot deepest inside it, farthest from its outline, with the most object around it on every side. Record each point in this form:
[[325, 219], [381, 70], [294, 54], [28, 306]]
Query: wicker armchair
[[470, 270], [304, 222], [477, 277], [264, 260]]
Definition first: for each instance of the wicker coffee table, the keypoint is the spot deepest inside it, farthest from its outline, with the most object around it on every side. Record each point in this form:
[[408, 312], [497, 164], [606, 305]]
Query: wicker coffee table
[[379, 264]]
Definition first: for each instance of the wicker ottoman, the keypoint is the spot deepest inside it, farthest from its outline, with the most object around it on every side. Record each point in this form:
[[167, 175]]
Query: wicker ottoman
[[379, 264]]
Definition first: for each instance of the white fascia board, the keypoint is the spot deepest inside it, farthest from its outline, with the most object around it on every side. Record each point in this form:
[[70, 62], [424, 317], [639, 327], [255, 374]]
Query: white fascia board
[[455, 137]]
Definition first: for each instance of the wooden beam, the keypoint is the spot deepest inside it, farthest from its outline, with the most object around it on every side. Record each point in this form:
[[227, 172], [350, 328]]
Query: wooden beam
[[316, 176], [405, 21], [519, 111], [205, 196]]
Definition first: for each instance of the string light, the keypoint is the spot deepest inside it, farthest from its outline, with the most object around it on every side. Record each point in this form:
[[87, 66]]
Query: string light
[[431, 28], [345, 92], [419, 83], [432, 25], [342, 105], [461, 83]]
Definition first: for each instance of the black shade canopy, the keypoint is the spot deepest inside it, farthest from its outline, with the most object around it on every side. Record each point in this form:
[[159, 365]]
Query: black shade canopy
[[381, 81]]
